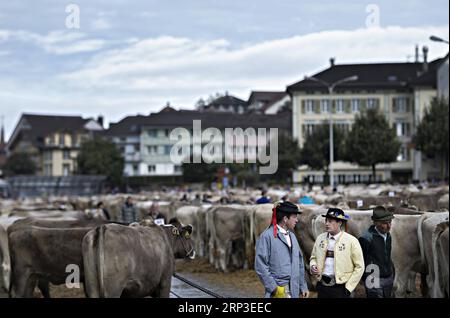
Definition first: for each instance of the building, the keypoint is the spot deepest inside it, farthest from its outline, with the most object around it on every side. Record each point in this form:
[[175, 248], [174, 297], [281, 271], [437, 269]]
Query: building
[[52, 141], [401, 91], [2, 150], [149, 145], [268, 102], [442, 78], [225, 104]]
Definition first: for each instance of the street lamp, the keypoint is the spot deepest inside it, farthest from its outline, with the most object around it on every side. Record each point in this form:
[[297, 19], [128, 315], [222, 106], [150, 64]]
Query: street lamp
[[437, 39], [331, 87]]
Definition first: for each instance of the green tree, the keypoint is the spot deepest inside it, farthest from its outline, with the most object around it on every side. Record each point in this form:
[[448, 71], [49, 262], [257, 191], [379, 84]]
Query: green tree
[[316, 148], [371, 141], [20, 163], [432, 133], [101, 157], [289, 155]]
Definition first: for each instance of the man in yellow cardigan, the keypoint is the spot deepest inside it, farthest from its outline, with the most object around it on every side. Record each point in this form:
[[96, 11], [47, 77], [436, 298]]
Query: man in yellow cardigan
[[337, 259]]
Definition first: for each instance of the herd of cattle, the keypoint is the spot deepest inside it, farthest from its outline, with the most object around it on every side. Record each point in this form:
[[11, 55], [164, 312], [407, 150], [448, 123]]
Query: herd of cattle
[[38, 240]]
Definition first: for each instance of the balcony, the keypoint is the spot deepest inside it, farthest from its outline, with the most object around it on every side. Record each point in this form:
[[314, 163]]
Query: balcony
[[136, 157]]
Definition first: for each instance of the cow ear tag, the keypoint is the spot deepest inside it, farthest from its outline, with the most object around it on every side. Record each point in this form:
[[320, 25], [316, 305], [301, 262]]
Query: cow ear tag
[[187, 235], [175, 231]]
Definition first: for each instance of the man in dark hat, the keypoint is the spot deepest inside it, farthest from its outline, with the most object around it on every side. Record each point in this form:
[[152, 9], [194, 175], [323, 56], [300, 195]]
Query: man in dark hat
[[336, 258], [278, 260], [376, 244]]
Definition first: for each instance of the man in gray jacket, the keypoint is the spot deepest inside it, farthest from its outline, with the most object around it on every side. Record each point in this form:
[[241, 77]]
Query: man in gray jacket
[[129, 213], [279, 261]]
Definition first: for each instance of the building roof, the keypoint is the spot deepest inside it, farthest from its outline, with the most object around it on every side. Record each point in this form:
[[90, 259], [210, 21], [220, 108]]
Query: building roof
[[185, 118], [265, 96], [373, 76], [226, 101], [39, 126]]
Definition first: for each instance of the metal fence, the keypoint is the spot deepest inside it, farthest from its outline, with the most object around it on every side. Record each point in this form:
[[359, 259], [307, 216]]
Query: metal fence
[[33, 186]]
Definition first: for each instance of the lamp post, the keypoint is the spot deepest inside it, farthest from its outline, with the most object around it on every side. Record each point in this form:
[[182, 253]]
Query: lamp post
[[331, 87], [437, 39]]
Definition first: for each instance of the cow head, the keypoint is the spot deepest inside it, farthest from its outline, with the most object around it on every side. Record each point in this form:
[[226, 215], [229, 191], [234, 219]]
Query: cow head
[[183, 246]]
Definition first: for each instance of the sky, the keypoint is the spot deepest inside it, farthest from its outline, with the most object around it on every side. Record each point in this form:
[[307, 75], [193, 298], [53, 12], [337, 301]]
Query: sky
[[122, 57]]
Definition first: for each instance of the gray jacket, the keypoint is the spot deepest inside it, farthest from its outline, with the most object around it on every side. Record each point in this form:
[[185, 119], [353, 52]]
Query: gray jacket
[[129, 213], [277, 265]]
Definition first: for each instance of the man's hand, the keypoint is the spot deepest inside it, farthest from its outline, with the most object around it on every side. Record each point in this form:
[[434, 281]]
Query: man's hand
[[279, 292], [304, 294]]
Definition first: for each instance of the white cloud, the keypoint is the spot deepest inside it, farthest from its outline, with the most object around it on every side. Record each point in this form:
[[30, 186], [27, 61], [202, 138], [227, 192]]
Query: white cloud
[[181, 65], [56, 42], [101, 24]]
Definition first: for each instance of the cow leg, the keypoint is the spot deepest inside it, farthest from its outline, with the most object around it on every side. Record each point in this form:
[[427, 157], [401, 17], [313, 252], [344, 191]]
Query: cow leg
[[23, 284], [163, 290], [44, 287]]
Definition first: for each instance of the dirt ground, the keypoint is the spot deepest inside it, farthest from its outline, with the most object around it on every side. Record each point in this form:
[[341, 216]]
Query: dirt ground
[[238, 283]]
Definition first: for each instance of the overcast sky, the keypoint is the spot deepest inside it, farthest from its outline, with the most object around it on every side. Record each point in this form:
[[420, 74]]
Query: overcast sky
[[130, 57]]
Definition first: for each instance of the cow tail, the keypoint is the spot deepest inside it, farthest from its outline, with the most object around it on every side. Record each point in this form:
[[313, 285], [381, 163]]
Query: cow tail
[[423, 262], [101, 260]]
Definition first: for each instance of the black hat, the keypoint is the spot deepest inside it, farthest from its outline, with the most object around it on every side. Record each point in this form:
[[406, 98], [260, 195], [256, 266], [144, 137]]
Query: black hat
[[284, 207], [380, 213], [287, 208], [337, 214]]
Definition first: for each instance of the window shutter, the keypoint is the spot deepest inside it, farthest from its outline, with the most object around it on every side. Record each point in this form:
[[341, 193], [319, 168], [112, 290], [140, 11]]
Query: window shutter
[[317, 106], [303, 107], [333, 106], [347, 105], [394, 105], [362, 104], [407, 104]]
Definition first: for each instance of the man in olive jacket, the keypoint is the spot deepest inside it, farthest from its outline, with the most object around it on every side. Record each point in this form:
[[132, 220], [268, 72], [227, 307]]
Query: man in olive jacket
[[278, 260], [336, 258], [376, 244]]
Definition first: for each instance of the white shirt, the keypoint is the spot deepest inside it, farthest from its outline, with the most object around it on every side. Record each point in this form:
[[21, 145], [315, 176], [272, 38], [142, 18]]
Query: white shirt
[[286, 235], [329, 261]]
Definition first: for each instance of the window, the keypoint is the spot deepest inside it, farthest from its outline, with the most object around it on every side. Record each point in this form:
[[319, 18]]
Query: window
[[66, 154], [167, 149], [400, 104], [371, 103], [309, 106], [151, 168], [48, 169], [308, 129], [403, 155], [66, 169], [47, 156], [340, 106], [355, 105], [160, 150], [61, 139], [178, 169], [152, 132], [325, 106], [136, 148], [401, 129], [135, 169], [152, 149]]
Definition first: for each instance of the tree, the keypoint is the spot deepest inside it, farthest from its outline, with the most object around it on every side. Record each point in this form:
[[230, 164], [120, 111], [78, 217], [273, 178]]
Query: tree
[[316, 148], [20, 163], [289, 155], [432, 133], [101, 157], [371, 141]]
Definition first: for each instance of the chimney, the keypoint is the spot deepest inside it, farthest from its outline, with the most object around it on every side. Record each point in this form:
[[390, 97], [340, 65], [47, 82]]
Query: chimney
[[100, 120], [425, 56], [416, 56], [332, 60]]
